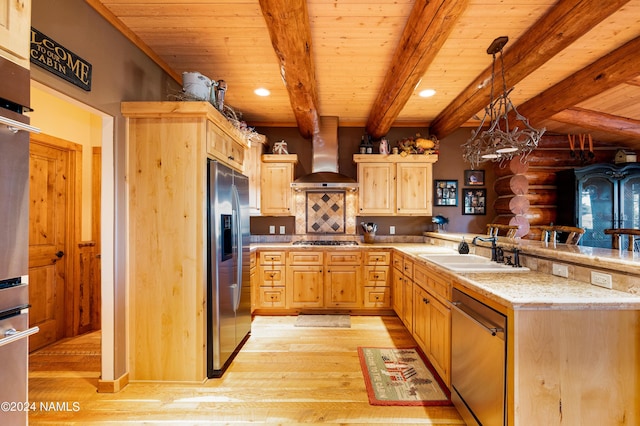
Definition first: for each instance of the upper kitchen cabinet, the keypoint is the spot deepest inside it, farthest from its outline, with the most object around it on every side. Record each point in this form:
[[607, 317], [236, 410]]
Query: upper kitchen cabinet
[[276, 175], [252, 168], [602, 196], [15, 26], [395, 185]]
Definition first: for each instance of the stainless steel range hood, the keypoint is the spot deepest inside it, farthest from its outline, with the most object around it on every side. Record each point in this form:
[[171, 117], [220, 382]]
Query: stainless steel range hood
[[324, 164]]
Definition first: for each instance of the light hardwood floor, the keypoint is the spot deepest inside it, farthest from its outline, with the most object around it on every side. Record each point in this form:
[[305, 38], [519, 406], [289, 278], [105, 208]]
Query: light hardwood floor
[[283, 375]]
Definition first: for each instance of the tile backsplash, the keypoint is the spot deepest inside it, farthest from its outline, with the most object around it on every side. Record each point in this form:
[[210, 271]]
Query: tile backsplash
[[325, 212]]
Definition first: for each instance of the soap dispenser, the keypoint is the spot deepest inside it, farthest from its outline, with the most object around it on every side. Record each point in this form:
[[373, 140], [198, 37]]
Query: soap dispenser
[[463, 247]]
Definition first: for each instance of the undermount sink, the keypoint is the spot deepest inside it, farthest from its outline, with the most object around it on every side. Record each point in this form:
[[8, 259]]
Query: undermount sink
[[470, 263]]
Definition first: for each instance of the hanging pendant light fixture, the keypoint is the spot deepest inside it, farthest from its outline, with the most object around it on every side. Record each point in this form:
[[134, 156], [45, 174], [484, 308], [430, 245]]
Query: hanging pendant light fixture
[[499, 142]]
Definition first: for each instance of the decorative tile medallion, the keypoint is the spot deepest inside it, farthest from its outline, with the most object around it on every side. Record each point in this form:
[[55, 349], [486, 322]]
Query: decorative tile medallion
[[325, 212]]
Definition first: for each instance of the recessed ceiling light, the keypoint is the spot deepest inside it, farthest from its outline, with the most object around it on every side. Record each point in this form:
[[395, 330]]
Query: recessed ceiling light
[[427, 93], [261, 91]]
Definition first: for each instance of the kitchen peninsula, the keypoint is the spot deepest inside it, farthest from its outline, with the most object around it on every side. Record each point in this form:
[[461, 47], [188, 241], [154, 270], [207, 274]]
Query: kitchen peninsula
[[573, 354]]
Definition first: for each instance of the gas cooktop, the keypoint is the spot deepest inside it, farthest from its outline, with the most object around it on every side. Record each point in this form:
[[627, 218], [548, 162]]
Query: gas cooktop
[[325, 243]]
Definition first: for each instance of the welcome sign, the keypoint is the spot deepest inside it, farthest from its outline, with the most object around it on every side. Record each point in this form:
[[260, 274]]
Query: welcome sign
[[55, 58]]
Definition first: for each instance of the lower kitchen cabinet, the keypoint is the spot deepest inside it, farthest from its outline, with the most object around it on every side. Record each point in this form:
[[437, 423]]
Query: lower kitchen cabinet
[[377, 279], [403, 289], [269, 287], [305, 281], [343, 279]]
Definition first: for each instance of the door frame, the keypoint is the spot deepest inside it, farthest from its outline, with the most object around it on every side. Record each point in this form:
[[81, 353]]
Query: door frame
[[72, 232]]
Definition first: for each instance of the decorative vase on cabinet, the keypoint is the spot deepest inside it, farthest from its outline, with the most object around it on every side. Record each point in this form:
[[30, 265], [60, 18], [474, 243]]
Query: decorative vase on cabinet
[[599, 197]]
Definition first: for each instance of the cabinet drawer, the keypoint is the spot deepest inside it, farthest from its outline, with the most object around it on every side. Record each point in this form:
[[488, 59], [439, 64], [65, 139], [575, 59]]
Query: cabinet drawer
[[377, 258], [432, 282], [305, 258], [272, 258], [271, 276], [377, 297], [272, 297], [376, 276], [344, 258], [407, 268], [398, 262]]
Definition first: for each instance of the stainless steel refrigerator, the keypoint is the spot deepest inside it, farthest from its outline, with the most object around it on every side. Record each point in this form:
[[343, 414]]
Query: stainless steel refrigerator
[[229, 292], [14, 242]]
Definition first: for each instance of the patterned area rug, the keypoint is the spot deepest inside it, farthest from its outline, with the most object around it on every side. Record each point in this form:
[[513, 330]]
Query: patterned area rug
[[337, 321], [401, 377]]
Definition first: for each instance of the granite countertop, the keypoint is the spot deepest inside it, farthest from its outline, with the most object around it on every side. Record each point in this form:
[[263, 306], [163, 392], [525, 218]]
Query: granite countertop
[[519, 291]]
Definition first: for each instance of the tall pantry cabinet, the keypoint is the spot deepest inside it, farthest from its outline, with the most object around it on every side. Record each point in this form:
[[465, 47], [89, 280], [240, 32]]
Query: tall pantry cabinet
[[168, 147], [598, 197]]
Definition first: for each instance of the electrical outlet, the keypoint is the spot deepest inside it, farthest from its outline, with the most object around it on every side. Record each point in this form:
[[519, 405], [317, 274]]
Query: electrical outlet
[[601, 280], [392, 230], [272, 229], [560, 270], [282, 229]]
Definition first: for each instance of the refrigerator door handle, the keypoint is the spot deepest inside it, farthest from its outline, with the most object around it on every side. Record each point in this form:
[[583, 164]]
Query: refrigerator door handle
[[237, 231]]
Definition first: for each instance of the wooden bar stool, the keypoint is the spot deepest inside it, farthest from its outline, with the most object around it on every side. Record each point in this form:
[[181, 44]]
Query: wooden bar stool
[[633, 236], [550, 234], [494, 229]]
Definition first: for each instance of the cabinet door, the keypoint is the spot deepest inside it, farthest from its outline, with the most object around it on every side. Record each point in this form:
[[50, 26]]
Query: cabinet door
[[15, 21], [596, 209], [252, 170], [398, 285], [414, 188], [422, 314], [304, 287], [407, 304], [440, 338], [629, 210], [377, 188], [343, 287], [275, 193]]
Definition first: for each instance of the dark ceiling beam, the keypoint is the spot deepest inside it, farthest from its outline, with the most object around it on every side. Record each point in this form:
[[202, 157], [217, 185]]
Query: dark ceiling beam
[[563, 24], [427, 28], [599, 121], [619, 66], [290, 31]]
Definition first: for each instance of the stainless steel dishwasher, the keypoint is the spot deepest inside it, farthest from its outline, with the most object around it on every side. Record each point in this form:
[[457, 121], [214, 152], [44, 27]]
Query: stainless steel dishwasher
[[478, 361]]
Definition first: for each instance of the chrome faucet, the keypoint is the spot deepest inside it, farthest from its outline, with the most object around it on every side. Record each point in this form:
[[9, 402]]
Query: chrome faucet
[[493, 240]]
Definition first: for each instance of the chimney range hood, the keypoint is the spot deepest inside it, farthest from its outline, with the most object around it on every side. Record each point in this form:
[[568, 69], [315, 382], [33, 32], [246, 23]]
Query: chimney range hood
[[325, 161]]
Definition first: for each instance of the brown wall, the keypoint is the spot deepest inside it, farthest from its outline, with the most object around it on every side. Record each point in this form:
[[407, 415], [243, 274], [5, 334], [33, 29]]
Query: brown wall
[[449, 166], [121, 72]]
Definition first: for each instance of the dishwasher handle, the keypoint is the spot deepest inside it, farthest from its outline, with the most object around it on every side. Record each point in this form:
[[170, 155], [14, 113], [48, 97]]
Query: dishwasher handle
[[11, 335], [477, 318]]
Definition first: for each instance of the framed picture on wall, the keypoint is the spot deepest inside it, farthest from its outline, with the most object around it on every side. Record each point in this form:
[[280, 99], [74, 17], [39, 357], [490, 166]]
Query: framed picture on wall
[[446, 192], [475, 201], [474, 177]]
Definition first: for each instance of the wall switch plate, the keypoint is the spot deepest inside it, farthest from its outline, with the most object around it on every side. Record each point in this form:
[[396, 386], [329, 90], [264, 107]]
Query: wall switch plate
[[282, 229], [392, 230], [272, 229], [601, 280], [560, 270]]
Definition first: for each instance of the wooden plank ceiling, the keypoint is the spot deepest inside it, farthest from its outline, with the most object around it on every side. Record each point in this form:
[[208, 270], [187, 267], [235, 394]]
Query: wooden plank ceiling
[[572, 62]]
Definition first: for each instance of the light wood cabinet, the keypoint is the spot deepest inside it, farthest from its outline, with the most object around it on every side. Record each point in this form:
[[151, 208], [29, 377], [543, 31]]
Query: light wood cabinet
[[168, 147], [343, 279], [252, 169], [395, 185], [403, 289], [305, 280], [377, 279], [276, 175], [269, 291], [432, 318], [15, 26]]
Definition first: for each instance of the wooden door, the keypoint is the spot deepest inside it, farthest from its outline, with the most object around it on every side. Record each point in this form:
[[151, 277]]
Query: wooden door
[[275, 195], [343, 286], [440, 338], [48, 260], [377, 190], [305, 286], [414, 188], [422, 315]]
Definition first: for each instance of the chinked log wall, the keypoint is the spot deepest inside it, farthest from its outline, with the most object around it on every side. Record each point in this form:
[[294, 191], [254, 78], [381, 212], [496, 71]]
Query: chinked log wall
[[527, 191]]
